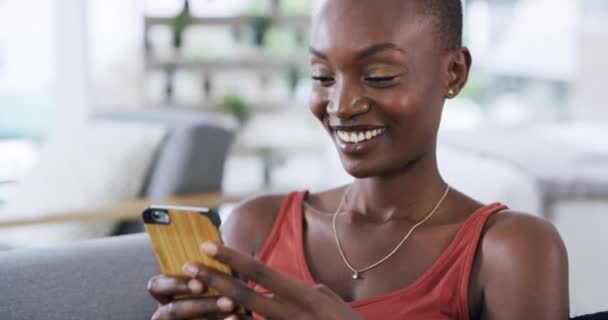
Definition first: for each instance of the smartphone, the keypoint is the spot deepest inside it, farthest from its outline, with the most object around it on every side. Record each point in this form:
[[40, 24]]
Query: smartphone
[[176, 234]]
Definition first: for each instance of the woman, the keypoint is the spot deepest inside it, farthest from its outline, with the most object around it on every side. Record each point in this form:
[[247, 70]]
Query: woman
[[398, 243]]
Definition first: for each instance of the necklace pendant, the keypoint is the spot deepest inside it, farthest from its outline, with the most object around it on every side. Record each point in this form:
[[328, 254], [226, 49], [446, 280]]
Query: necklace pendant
[[356, 276]]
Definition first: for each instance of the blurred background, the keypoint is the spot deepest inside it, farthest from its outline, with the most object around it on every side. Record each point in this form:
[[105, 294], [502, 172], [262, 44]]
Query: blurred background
[[104, 102]]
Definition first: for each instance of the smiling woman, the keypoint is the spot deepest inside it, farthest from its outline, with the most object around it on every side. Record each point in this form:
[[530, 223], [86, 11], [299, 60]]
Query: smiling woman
[[399, 242]]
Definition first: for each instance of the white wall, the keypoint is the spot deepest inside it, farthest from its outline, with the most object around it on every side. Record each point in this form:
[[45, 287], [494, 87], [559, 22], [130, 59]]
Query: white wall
[[589, 90], [71, 75]]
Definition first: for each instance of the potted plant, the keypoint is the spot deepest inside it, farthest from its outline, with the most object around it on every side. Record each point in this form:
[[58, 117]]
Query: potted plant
[[235, 105], [179, 24]]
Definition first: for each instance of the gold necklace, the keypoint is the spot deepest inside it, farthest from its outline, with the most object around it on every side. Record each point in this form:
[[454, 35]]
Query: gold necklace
[[356, 272]]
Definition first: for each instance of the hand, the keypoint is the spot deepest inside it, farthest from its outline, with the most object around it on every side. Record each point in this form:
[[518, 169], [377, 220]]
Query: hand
[[164, 289], [290, 299]]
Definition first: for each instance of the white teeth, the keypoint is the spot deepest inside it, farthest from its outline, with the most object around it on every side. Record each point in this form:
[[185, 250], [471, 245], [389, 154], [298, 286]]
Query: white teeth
[[356, 137]]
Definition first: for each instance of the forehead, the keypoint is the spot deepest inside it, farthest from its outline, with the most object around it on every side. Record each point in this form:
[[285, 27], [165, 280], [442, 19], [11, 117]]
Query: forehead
[[356, 24]]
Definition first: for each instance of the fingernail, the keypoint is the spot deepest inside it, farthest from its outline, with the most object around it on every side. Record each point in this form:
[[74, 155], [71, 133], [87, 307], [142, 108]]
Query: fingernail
[[225, 304], [190, 269], [195, 286], [209, 248], [232, 317]]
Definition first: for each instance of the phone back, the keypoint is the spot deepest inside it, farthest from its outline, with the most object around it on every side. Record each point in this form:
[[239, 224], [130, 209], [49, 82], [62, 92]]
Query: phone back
[[177, 235]]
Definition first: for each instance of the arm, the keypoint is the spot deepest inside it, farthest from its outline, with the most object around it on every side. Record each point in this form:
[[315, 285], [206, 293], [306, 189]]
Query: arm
[[522, 269]]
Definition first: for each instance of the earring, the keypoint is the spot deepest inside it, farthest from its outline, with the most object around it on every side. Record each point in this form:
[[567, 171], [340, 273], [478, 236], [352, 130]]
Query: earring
[[451, 92]]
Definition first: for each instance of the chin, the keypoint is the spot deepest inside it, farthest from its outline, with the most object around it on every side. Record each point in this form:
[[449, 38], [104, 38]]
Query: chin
[[369, 168], [361, 169]]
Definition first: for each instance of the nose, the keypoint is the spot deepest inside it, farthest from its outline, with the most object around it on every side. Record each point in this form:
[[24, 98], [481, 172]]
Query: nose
[[347, 102]]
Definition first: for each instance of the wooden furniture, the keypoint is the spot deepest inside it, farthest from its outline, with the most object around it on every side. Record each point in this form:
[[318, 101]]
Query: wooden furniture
[[126, 211]]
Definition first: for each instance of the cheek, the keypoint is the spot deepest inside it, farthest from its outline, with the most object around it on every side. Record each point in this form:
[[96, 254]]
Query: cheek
[[409, 105], [397, 104], [318, 103]]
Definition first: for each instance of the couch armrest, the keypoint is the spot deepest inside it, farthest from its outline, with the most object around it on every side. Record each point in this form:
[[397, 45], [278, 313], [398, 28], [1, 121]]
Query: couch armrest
[[130, 210], [93, 280]]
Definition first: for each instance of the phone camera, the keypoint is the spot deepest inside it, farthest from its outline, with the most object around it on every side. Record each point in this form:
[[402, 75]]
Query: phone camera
[[160, 216]]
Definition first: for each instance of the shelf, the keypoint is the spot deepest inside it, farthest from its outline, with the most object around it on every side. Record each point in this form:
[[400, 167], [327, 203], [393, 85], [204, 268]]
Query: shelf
[[128, 210], [279, 20], [257, 63], [248, 58], [258, 108]]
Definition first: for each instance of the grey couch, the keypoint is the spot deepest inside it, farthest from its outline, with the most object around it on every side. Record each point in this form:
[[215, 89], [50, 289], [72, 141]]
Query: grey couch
[[106, 278], [94, 280], [191, 158]]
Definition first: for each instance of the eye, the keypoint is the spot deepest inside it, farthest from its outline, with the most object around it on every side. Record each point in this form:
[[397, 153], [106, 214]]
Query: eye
[[323, 81], [382, 81]]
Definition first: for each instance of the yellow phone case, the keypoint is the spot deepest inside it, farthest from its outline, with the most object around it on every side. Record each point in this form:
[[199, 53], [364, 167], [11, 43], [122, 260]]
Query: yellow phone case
[[176, 234]]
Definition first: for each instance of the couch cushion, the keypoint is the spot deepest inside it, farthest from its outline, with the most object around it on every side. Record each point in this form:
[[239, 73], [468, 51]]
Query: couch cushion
[[91, 165], [193, 155], [97, 279]]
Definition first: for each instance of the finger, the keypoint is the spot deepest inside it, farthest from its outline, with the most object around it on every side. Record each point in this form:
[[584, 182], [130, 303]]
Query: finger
[[239, 292], [194, 308], [164, 288], [256, 271], [328, 292]]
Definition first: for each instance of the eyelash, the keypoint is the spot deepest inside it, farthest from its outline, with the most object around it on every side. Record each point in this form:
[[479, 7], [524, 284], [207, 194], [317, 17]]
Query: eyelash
[[323, 79], [381, 79]]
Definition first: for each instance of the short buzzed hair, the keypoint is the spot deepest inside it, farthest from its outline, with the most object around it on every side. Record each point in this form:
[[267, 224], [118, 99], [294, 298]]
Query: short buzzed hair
[[448, 16]]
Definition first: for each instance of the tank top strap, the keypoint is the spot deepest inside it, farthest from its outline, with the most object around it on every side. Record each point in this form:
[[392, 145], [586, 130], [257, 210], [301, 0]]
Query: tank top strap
[[287, 225], [470, 237]]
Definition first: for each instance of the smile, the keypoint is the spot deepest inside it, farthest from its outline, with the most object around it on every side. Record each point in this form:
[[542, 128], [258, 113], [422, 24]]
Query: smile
[[358, 136]]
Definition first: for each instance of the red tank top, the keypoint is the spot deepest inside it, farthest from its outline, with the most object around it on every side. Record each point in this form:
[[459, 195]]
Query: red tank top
[[440, 293]]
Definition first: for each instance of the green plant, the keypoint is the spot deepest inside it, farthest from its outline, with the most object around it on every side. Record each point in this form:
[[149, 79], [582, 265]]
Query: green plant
[[180, 23], [235, 105], [260, 24]]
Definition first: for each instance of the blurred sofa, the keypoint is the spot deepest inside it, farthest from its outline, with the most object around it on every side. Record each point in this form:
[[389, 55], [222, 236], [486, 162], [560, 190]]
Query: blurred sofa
[[192, 157], [188, 165], [106, 278], [193, 154], [94, 279]]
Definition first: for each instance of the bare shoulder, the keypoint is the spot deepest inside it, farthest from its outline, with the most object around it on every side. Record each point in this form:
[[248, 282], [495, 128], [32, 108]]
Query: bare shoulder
[[521, 234], [523, 268], [251, 222]]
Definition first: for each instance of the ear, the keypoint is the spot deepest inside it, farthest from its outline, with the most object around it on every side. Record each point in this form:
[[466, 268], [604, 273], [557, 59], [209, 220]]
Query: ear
[[458, 66]]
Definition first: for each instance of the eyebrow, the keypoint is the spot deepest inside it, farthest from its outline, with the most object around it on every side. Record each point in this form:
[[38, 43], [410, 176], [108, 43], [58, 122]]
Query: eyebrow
[[366, 52], [372, 50], [317, 53]]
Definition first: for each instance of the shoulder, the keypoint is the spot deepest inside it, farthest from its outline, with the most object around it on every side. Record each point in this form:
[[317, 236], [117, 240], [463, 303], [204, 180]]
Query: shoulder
[[519, 235], [522, 267], [251, 221]]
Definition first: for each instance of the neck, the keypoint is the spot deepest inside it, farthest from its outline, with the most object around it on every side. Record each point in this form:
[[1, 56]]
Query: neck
[[409, 194]]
